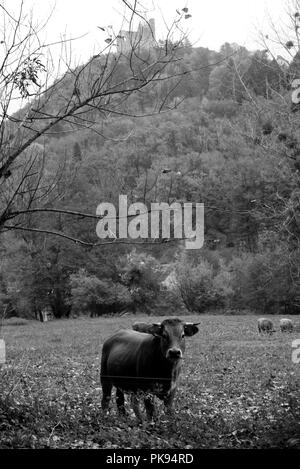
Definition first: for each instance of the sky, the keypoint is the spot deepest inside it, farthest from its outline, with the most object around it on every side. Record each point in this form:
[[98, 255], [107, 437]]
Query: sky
[[213, 22]]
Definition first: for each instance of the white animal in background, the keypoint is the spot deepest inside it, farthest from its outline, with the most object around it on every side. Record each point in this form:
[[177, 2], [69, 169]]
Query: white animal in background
[[286, 325], [265, 325]]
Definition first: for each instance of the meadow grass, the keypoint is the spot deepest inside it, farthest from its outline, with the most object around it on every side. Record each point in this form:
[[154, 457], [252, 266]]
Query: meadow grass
[[238, 389]]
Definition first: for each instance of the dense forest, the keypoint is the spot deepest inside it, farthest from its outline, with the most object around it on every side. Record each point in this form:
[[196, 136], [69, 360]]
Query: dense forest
[[228, 137]]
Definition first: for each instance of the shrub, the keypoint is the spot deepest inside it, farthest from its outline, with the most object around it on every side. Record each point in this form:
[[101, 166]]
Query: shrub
[[15, 321], [262, 282], [169, 303], [91, 294], [196, 286], [142, 275], [222, 285]]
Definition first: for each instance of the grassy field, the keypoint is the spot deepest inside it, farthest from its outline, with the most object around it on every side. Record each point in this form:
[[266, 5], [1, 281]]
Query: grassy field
[[238, 389]]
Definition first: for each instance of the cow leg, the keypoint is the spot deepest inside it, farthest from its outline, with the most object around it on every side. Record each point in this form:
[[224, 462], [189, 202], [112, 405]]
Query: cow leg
[[149, 405], [120, 401], [106, 393], [136, 407], [168, 401]]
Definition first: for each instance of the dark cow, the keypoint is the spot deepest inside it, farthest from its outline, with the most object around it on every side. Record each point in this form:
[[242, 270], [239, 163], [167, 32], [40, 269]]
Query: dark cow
[[148, 361]]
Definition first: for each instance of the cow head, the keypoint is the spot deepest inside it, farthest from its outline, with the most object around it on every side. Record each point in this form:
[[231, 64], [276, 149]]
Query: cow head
[[172, 333]]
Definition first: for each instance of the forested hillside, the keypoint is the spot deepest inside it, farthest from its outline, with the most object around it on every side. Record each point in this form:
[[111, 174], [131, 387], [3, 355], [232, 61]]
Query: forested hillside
[[228, 137]]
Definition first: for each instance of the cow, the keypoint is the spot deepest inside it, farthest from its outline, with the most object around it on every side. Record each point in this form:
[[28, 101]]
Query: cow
[[265, 325], [286, 325], [147, 362]]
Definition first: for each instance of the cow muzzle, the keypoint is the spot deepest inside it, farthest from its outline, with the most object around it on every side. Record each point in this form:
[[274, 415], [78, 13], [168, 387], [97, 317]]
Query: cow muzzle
[[174, 354]]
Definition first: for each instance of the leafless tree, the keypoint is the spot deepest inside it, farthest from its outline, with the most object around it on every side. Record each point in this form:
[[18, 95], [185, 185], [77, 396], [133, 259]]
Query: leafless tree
[[83, 96]]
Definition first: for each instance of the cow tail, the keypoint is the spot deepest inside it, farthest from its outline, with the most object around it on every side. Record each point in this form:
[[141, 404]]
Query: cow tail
[[103, 369], [106, 382]]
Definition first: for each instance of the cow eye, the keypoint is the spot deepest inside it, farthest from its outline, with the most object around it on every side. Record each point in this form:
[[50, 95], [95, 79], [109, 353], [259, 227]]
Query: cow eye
[[182, 336]]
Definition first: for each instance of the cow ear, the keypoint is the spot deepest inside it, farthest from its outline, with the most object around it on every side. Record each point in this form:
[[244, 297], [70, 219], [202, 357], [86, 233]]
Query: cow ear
[[141, 327], [190, 329], [155, 329]]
